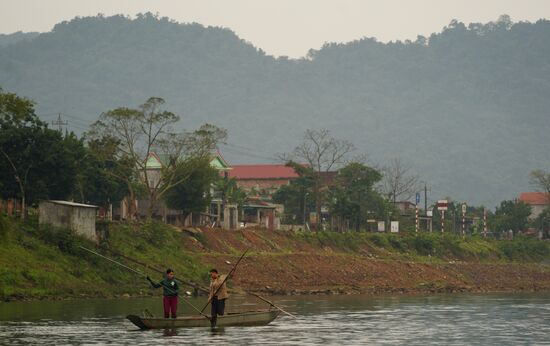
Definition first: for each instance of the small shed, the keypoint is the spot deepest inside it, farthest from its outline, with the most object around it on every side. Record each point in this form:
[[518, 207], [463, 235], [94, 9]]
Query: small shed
[[75, 216]]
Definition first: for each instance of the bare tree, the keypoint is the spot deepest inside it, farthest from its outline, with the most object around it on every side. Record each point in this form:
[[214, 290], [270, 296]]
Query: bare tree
[[399, 183], [322, 153], [540, 180]]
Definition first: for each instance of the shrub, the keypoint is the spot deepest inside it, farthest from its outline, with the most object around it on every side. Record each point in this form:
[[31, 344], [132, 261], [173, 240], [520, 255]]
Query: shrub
[[397, 243], [156, 233], [425, 244], [5, 226], [524, 249], [380, 240]]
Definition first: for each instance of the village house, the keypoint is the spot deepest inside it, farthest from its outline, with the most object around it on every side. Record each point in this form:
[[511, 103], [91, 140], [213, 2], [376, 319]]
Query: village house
[[262, 181], [537, 200], [215, 213], [405, 207]]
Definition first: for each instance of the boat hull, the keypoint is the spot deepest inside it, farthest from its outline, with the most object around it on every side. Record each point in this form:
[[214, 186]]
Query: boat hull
[[250, 318]]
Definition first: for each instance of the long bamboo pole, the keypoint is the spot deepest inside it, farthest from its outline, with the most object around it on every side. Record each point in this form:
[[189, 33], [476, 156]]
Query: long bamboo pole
[[225, 279], [143, 275]]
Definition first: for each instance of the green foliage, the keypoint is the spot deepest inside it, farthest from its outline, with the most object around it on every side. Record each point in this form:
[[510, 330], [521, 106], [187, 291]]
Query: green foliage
[[5, 226], [297, 196], [524, 249], [380, 240], [46, 261], [37, 162], [482, 74], [192, 194], [103, 176], [510, 215], [353, 196], [229, 191], [156, 233]]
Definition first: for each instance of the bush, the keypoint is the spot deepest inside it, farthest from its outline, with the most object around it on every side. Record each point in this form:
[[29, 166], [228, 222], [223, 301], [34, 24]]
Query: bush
[[397, 243], [156, 233], [5, 226], [524, 249], [380, 240], [425, 244], [64, 239]]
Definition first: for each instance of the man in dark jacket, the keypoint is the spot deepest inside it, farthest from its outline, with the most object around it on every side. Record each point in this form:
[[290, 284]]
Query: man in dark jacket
[[170, 293]]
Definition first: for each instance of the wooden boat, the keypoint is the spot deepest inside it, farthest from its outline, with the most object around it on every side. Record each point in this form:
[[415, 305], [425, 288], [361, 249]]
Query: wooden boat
[[248, 318]]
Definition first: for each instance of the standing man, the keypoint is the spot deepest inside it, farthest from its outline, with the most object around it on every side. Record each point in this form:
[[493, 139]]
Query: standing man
[[170, 293], [217, 296]]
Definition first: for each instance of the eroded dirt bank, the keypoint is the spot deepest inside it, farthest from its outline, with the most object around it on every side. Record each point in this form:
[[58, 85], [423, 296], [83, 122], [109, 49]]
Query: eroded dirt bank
[[282, 263]]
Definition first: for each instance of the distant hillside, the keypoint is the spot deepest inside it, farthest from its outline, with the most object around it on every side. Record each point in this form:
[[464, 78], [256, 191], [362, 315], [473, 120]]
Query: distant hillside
[[16, 37], [467, 107]]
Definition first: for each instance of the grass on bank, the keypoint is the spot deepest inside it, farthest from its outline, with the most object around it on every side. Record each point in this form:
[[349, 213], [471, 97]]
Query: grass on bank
[[43, 261], [424, 246]]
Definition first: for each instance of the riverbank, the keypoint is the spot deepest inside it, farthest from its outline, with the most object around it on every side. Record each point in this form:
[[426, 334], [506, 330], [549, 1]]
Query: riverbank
[[46, 263]]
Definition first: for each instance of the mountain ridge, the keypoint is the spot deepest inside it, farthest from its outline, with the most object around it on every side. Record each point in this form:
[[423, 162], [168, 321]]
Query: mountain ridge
[[467, 108]]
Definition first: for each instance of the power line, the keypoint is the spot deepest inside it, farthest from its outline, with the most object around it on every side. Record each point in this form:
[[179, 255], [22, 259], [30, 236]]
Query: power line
[[60, 123], [236, 151], [248, 152]]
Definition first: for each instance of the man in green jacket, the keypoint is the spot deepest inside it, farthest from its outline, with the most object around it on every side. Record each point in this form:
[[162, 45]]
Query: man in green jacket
[[170, 293]]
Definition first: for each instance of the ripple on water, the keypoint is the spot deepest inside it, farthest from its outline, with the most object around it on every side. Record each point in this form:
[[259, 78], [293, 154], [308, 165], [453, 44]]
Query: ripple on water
[[456, 320]]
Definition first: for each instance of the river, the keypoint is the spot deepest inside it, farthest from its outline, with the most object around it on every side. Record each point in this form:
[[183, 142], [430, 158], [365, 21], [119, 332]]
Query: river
[[491, 319]]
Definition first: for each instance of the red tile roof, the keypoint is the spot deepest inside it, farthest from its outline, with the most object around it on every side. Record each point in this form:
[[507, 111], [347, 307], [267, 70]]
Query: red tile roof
[[534, 198], [262, 172]]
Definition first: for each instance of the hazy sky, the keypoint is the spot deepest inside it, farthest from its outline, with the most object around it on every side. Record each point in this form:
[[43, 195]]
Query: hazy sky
[[284, 27]]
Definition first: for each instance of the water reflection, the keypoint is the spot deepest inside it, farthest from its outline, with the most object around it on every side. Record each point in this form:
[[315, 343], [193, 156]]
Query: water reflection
[[217, 331], [349, 320], [170, 332]]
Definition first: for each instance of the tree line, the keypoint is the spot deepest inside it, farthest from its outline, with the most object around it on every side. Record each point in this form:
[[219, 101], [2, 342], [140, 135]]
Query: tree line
[[435, 99], [110, 162], [107, 163]]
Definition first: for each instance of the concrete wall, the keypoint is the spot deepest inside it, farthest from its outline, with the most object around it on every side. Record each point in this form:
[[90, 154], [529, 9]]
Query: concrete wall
[[536, 210], [79, 219], [270, 185]]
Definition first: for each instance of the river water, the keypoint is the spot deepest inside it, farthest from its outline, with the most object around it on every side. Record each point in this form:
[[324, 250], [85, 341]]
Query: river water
[[518, 319]]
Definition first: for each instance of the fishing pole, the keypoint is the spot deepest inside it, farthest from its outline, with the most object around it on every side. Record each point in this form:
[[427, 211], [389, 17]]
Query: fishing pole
[[144, 275], [267, 301], [185, 282], [225, 279]]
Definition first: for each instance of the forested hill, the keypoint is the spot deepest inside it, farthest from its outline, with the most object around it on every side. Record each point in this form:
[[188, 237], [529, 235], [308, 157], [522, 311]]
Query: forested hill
[[469, 107]]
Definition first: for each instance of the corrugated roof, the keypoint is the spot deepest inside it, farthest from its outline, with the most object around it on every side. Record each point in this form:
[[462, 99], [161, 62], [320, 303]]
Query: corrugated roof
[[534, 198], [73, 204], [262, 172]]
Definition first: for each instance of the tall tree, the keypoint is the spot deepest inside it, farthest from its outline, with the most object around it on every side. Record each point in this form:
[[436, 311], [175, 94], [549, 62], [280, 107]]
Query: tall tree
[[193, 193], [294, 195], [37, 160], [103, 177], [139, 133], [540, 180], [399, 183], [322, 153], [136, 133], [353, 195], [511, 215]]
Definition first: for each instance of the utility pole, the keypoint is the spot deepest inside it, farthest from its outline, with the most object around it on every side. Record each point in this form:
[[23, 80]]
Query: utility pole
[[442, 221], [59, 123], [463, 219], [425, 198], [484, 223], [416, 221]]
